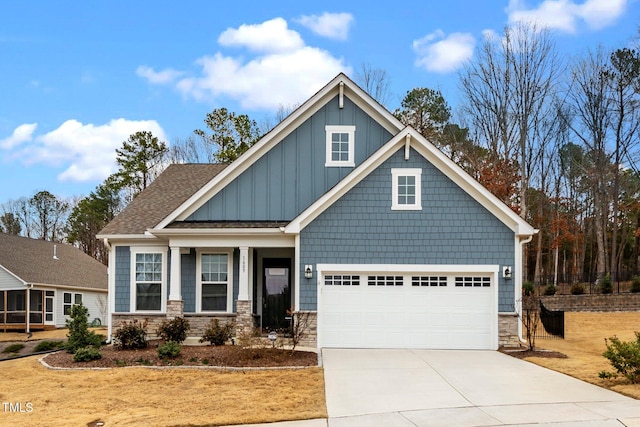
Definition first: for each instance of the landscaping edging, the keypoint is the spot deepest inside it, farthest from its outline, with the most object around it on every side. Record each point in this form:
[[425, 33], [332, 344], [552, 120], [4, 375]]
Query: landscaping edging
[[598, 302]]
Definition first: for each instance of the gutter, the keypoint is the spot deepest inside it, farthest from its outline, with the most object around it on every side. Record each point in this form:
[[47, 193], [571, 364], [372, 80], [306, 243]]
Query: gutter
[[519, 309]]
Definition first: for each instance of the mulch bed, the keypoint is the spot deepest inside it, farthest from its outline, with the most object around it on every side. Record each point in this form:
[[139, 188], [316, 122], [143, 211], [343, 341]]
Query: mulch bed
[[220, 356], [524, 353]]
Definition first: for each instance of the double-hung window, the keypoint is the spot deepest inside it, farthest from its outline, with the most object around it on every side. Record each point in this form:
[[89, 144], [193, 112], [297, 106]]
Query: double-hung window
[[148, 281], [68, 302], [407, 189], [340, 145], [215, 282]]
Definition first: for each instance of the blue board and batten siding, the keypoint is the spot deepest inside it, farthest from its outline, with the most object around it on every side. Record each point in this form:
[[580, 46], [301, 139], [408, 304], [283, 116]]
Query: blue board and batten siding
[[293, 175], [361, 228], [188, 279]]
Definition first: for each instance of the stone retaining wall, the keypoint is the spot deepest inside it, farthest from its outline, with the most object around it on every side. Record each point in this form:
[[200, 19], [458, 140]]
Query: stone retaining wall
[[599, 302]]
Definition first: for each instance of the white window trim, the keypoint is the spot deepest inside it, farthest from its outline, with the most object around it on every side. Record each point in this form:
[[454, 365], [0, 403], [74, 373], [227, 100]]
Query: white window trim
[[163, 283], [199, 253], [331, 129], [398, 172]]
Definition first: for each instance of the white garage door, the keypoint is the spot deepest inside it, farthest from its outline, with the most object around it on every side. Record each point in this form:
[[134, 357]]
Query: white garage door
[[408, 310]]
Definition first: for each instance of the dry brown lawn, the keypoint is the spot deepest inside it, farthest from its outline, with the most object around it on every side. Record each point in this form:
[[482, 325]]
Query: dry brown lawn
[[141, 396], [584, 344]]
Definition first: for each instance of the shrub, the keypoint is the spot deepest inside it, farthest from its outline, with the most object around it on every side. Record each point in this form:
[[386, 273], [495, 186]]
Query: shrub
[[47, 346], [635, 284], [216, 334], [624, 356], [169, 350], [550, 290], [606, 286], [79, 334], [174, 330], [86, 354], [13, 348], [528, 288], [131, 335], [577, 289]]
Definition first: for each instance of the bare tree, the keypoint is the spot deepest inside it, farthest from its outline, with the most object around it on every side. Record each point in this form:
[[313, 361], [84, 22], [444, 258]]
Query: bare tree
[[509, 91], [588, 106], [375, 81]]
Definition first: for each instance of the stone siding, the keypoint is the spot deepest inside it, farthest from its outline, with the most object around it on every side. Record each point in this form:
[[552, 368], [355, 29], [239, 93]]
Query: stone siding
[[310, 337], [508, 330], [197, 322], [599, 302]]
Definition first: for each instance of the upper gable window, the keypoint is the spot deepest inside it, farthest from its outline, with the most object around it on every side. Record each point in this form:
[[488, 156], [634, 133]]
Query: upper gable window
[[407, 189], [340, 145]]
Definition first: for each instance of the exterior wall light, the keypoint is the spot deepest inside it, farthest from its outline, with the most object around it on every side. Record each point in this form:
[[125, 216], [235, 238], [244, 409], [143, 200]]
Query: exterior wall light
[[506, 272], [308, 271]]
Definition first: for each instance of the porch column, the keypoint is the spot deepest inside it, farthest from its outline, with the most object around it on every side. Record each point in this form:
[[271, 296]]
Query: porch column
[[244, 317], [243, 292], [175, 303]]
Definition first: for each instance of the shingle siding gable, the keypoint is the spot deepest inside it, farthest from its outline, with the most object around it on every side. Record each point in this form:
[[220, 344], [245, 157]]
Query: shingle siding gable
[[451, 228], [292, 175]]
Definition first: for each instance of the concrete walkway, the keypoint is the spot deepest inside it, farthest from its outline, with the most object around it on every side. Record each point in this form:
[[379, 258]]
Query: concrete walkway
[[409, 388]]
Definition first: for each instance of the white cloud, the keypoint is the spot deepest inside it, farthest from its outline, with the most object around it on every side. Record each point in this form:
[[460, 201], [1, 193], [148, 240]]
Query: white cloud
[[283, 71], [265, 82], [161, 77], [442, 54], [564, 15], [270, 36], [22, 133], [331, 25], [86, 151]]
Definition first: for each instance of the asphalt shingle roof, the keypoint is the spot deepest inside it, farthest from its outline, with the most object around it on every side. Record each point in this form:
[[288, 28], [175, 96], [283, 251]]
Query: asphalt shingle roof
[[32, 261], [169, 190]]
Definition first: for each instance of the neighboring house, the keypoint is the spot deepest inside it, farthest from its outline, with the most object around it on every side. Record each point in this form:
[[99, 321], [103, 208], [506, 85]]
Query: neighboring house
[[40, 281], [340, 212]]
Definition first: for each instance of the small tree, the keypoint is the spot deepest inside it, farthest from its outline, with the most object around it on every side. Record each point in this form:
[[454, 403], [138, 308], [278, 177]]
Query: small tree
[[79, 334], [299, 326], [530, 317]]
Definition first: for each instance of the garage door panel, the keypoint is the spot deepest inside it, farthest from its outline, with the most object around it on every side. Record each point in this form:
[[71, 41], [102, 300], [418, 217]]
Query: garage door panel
[[407, 316]]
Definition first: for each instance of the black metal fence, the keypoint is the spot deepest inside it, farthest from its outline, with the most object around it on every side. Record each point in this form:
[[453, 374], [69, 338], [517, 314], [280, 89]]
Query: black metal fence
[[621, 282], [551, 323]]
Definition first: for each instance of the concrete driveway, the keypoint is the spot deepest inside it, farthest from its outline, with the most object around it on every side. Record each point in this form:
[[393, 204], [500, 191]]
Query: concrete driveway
[[420, 388], [460, 388]]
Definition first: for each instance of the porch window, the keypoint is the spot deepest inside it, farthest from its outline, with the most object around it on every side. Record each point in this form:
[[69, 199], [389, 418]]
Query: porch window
[[340, 145], [148, 281], [16, 306], [214, 282], [35, 306]]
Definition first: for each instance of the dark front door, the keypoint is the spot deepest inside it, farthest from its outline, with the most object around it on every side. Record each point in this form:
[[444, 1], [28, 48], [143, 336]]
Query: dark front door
[[276, 293]]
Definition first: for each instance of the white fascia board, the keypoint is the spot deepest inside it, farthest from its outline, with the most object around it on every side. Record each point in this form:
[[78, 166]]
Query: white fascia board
[[288, 125], [233, 241], [342, 187], [68, 287]]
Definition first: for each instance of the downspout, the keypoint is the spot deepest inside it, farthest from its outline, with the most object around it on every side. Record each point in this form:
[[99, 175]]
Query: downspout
[[518, 278]]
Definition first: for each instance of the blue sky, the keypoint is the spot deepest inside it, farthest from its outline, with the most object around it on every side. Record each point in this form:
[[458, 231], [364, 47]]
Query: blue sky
[[77, 78]]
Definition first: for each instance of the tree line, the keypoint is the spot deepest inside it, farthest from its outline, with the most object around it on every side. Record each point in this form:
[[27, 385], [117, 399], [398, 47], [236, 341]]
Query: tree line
[[554, 138]]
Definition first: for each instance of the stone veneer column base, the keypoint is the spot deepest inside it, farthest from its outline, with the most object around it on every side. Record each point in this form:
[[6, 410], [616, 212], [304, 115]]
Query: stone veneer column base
[[244, 318], [175, 309], [508, 330]]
